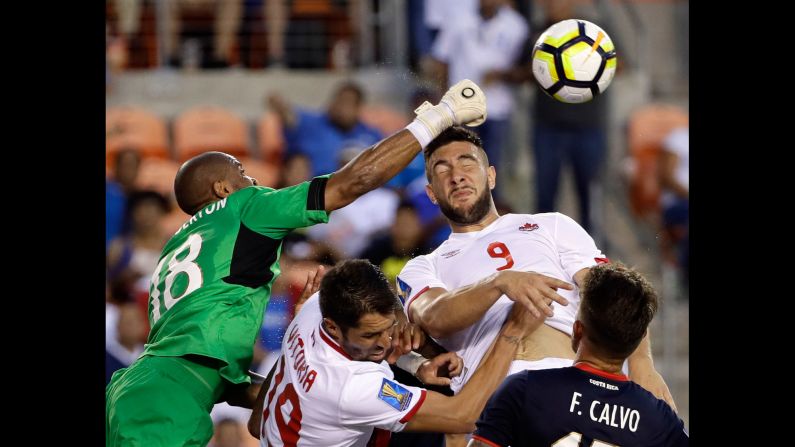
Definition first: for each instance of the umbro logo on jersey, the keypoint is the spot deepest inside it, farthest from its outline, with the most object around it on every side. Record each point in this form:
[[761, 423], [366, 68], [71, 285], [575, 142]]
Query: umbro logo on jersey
[[528, 227], [450, 254]]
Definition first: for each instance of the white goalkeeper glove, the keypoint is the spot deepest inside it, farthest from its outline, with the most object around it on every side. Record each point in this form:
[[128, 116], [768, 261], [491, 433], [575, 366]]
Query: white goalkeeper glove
[[464, 103]]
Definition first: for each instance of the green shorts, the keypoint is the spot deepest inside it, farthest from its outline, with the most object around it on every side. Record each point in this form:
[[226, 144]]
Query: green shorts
[[162, 402]]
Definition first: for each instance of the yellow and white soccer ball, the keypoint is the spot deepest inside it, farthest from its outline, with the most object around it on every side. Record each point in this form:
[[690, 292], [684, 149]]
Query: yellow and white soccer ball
[[574, 60]]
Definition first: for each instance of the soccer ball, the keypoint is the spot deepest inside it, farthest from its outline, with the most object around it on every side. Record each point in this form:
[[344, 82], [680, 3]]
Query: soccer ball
[[574, 60]]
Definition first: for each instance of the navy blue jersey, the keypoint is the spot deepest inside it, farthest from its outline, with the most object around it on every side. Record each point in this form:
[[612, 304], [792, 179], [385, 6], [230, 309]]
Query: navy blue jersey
[[577, 406]]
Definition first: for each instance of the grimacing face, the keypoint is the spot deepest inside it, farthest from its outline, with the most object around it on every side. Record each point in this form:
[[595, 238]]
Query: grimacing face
[[461, 182], [372, 339]]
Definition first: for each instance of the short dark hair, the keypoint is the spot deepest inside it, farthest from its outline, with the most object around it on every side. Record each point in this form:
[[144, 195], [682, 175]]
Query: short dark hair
[[193, 184], [617, 306], [142, 196], [353, 87], [353, 288], [451, 134]]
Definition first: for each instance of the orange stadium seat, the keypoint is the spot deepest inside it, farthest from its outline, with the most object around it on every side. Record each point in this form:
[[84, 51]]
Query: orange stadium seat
[[270, 138], [209, 128], [266, 174], [157, 175], [647, 128], [137, 128], [384, 118]]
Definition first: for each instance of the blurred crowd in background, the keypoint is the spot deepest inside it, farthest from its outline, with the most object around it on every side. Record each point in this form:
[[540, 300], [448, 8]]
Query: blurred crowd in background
[[336, 76]]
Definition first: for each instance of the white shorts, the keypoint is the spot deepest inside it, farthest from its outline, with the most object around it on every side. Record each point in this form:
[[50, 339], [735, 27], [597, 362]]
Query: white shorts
[[547, 363]]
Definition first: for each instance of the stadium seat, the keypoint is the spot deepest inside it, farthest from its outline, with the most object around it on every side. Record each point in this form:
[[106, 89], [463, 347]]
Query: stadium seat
[[157, 175], [137, 128], [646, 129], [209, 128], [270, 138]]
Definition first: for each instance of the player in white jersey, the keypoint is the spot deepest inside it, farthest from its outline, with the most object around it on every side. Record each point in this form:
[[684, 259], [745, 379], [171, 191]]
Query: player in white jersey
[[333, 387], [462, 291], [467, 258]]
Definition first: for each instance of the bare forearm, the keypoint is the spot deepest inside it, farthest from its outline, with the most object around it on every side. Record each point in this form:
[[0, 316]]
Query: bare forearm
[[642, 372], [457, 309], [491, 372], [458, 414], [259, 402], [464, 103], [642, 354], [255, 421], [371, 169]]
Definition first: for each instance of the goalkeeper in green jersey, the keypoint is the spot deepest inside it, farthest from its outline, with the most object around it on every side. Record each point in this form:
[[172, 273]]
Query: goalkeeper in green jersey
[[213, 280]]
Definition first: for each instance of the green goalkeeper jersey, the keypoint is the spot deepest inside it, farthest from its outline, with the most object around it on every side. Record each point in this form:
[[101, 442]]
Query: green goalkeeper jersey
[[213, 280]]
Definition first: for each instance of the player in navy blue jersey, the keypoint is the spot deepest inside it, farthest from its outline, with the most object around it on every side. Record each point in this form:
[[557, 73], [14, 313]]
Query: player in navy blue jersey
[[590, 404]]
